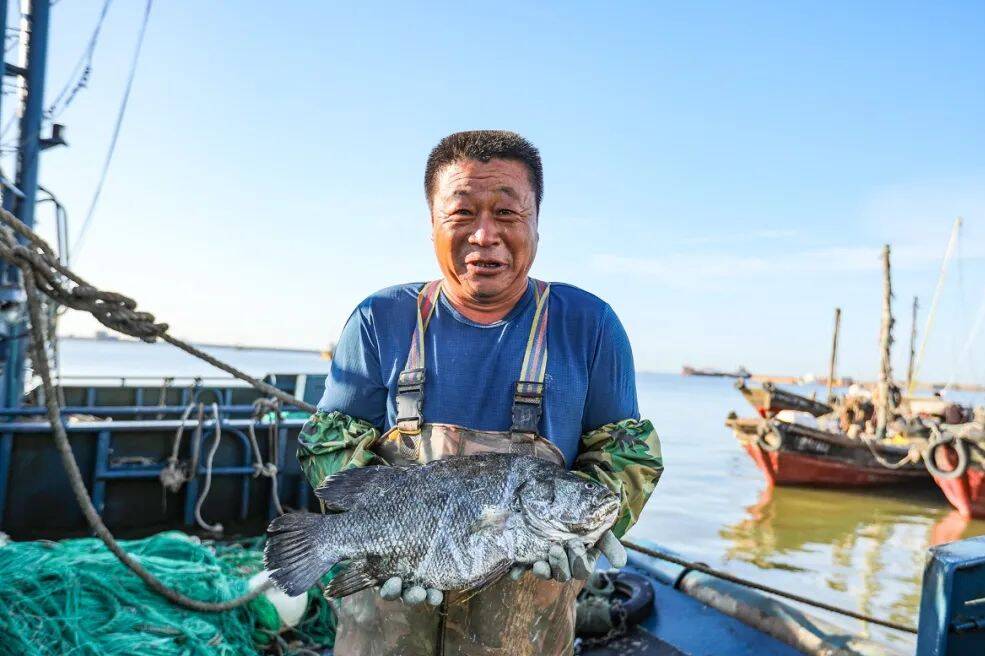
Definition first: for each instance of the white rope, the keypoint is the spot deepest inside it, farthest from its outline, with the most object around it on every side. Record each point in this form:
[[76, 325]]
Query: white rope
[[217, 527]]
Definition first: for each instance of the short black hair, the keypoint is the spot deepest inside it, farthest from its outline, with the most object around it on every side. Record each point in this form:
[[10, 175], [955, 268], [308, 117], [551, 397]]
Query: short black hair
[[484, 145]]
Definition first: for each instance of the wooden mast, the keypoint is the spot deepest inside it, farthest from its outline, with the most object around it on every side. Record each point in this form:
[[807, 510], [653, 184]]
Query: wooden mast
[[834, 356], [884, 406]]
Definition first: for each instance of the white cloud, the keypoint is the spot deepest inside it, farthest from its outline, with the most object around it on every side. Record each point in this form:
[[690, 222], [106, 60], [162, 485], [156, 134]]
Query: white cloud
[[739, 237], [690, 269], [915, 217], [775, 234], [925, 209]]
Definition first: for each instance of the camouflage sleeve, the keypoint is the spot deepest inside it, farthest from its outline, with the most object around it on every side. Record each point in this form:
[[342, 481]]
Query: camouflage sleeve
[[625, 457], [331, 441]]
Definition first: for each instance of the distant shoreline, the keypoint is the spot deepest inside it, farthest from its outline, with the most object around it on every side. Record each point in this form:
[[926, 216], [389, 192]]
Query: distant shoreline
[[839, 383], [928, 386], [237, 347], [759, 378]]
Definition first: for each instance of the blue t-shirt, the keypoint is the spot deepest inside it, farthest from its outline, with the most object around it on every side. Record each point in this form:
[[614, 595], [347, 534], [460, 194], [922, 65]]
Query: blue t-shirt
[[471, 368]]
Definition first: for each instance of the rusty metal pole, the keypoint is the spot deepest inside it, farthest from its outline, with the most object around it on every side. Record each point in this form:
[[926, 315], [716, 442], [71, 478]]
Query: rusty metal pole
[[834, 356], [884, 408]]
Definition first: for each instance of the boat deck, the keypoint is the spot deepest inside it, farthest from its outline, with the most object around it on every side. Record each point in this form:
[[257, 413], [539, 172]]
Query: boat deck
[[636, 643]]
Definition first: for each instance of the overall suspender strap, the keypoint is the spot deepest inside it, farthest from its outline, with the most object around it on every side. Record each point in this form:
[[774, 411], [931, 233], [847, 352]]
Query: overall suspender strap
[[410, 383], [528, 395]]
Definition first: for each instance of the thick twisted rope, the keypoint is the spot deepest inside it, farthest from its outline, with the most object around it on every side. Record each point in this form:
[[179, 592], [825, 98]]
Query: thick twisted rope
[[43, 273], [912, 456]]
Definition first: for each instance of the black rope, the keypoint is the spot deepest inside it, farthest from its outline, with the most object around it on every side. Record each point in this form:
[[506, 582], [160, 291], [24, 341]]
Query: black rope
[[704, 569], [116, 131], [79, 77]]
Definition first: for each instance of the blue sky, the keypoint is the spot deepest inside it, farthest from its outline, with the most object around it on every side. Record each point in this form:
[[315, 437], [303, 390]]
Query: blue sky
[[724, 174]]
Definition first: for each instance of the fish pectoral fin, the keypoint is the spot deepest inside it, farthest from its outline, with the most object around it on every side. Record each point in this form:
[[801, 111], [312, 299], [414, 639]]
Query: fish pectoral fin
[[492, 517], [295, 555], [342, 490], [351, 580], [494, 575]]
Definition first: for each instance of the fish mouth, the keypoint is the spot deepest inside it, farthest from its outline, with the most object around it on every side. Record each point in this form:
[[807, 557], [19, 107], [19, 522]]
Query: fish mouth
[[598, 522], [611, 505], [605, 515], [603, 518]]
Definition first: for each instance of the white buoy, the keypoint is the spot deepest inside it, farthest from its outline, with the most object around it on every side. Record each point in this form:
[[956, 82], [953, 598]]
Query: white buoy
[[290, 609]]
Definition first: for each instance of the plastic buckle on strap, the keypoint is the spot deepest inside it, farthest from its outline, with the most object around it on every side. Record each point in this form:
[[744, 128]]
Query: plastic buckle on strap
[[528, 400], [410, 400]]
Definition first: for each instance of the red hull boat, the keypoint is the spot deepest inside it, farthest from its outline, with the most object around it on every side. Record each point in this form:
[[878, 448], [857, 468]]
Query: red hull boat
[[800, 455], [966, 493], [786, 468]]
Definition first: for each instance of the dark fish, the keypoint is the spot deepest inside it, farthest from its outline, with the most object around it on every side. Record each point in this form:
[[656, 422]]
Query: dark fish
[[453, 524]]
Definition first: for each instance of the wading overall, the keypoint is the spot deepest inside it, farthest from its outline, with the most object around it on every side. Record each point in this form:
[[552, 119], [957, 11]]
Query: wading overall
[[509, 618]]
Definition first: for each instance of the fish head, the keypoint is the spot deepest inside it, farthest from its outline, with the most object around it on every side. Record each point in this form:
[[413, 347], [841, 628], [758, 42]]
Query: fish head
[[562, 506]]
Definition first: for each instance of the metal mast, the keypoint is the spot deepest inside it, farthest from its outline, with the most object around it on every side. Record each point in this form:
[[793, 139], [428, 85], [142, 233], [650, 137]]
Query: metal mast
[[21, 197]]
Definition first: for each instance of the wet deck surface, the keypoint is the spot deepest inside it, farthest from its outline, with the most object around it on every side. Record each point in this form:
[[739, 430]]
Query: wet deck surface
[[637, 642]]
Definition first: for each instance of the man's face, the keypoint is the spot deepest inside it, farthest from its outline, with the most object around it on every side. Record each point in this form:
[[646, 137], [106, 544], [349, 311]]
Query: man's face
[[484, 222]]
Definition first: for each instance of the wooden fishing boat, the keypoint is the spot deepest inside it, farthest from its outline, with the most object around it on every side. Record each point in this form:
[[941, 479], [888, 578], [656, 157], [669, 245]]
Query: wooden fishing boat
[[769, 399], [793, 454], [790, 453], [791, 447]]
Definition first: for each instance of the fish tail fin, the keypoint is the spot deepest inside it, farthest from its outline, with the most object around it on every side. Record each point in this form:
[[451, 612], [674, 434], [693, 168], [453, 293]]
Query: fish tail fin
[[296, 555]]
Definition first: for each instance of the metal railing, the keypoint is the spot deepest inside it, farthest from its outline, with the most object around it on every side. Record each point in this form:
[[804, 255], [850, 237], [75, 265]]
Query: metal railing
[[112, 426]]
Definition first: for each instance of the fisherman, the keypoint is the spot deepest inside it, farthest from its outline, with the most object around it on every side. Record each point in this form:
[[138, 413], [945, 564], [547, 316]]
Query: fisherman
[[484, 359]]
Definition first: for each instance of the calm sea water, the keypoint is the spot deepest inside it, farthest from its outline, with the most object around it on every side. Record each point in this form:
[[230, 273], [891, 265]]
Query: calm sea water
[[863, 551], [90, 357]]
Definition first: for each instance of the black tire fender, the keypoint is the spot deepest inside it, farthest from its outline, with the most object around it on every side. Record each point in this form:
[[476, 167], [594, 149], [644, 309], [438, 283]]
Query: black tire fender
[[635, 595], [765, 444], [960, 450]]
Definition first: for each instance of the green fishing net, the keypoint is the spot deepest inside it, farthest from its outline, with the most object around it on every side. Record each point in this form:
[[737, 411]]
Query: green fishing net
[[74, 597]]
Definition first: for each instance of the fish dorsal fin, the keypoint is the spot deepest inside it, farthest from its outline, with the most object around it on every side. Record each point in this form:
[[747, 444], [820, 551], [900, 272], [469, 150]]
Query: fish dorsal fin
[[350, 580], [342, 491]]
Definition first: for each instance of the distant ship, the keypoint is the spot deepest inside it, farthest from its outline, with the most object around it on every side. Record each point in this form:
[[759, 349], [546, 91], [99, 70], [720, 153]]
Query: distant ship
[[741, 372]]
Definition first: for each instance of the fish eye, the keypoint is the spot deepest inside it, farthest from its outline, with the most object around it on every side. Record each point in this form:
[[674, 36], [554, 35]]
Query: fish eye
[[589, 485]]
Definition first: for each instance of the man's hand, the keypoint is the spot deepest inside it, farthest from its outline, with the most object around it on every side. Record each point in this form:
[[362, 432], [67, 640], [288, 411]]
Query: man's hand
[[574, 560], [394, 589]]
